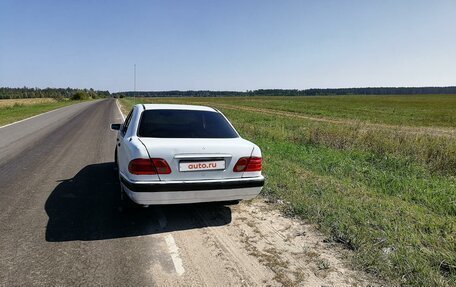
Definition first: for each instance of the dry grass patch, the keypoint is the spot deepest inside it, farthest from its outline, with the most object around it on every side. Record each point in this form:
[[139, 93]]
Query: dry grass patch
[[15, 102]]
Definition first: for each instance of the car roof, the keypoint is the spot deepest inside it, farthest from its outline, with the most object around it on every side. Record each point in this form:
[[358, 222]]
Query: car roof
[[177, 107]]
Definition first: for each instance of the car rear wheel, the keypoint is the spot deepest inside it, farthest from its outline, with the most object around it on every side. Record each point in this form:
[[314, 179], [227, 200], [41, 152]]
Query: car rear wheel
[[116, 161], [230, 202], [125, 202]]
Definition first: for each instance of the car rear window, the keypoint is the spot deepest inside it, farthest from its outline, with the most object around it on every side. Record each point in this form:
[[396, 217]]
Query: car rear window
[[184, 124]]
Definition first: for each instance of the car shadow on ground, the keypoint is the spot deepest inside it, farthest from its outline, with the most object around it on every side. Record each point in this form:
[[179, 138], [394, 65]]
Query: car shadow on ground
[[86, 207]]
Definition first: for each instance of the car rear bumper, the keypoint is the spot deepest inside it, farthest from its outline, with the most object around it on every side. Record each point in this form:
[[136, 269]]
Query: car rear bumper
[[175, 192]]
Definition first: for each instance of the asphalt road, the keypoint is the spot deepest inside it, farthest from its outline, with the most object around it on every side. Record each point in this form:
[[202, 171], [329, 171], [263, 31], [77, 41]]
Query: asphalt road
[[60, 223]]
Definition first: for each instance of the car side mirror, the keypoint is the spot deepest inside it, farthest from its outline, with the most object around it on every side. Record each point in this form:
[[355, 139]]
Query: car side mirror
[[115, 127]]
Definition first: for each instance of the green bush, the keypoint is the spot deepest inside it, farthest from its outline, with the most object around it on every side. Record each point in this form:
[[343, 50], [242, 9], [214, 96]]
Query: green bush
[[80, 96]]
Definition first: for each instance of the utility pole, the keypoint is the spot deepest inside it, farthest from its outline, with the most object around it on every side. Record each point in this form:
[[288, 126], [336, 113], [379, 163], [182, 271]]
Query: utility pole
[[134, 85]]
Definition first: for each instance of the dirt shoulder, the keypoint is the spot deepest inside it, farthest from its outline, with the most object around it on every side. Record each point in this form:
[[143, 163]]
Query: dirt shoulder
[[259, 247]]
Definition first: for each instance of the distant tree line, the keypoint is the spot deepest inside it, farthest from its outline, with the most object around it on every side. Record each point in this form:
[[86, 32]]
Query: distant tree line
[[179, 94], [307, 92], [18, 93], [24, 93]]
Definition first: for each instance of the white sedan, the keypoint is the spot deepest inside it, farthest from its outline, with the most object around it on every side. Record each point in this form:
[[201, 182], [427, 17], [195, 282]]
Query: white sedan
[[171, 154]]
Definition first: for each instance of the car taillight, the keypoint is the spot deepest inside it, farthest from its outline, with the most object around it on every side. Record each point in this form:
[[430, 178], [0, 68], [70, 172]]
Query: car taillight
[[255, 164], [248, 164], [141, 166], [161, 166]]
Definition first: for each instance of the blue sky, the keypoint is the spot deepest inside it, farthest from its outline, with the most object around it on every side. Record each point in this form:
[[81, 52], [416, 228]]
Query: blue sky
[[227, 45]]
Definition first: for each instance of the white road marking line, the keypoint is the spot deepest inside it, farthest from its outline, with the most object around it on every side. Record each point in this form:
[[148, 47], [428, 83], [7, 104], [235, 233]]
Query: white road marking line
[[171, 243], [174, 250], [120, 111]]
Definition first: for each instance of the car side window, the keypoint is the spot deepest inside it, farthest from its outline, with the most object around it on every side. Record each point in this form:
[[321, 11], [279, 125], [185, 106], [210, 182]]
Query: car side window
[[126, 124]]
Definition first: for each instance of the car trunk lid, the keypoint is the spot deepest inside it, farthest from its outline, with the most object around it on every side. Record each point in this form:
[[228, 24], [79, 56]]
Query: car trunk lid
[[198, 159]]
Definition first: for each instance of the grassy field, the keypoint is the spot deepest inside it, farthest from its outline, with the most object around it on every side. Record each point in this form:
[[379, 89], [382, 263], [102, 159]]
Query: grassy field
[[376, 173], [420, 110], [18, 109]]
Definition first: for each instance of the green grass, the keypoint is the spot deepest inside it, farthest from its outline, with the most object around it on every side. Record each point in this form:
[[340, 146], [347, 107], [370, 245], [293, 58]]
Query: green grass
[[10, 114], [375, 191], [426, 146], [421, 110]]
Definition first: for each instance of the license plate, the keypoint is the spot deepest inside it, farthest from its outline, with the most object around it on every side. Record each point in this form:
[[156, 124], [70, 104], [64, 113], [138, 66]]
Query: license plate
[[202, 165]]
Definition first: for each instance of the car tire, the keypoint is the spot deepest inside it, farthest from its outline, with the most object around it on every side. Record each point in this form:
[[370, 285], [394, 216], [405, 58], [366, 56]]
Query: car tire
[[125, 203], [116, 161], [230, 202]]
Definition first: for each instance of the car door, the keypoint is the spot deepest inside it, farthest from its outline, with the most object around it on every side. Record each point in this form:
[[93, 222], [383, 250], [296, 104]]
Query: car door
[[122, 143]]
